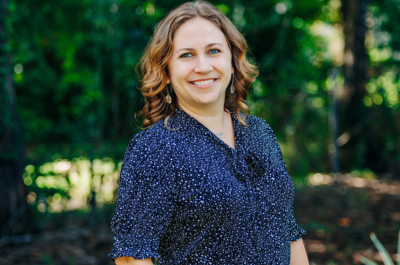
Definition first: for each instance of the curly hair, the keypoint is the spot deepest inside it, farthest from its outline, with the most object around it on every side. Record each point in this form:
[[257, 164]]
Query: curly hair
[[154, 63]]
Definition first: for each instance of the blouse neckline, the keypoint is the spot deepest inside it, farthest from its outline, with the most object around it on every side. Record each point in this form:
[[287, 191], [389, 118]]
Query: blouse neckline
[[197, 124]]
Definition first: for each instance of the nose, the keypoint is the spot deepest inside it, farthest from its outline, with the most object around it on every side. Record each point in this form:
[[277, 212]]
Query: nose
[[203, 65]]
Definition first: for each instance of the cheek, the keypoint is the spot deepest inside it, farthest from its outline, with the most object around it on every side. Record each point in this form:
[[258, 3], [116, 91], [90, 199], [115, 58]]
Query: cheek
[[182, 71], [225, 63]]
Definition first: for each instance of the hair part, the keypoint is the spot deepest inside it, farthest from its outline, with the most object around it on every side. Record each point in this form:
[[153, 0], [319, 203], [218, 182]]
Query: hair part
[[154, 63]]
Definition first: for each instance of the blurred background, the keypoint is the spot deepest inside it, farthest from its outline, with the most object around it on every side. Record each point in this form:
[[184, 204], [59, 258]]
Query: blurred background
[[329, 87]]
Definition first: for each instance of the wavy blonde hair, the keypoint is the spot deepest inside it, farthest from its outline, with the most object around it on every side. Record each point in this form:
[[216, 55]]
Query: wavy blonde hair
[[154, 63]]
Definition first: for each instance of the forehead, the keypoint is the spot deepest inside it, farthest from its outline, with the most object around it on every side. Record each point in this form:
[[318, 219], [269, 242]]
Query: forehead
[[197, 32]]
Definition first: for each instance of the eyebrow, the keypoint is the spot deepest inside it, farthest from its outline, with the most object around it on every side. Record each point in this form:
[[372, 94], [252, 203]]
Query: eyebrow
[[208, 45]]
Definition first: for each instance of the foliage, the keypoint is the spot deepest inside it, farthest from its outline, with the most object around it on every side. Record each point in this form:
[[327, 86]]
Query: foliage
[[74, 69], [63, 185]]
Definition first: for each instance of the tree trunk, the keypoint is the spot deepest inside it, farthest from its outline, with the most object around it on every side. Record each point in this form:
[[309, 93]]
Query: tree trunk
[[13, 205], [359, 147]]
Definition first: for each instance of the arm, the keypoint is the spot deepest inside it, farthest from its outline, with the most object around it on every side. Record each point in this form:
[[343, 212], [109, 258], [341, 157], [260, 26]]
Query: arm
[[298, 255], [145, 203], [131, 261]]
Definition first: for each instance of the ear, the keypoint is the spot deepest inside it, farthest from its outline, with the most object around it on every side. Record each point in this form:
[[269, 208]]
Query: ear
[[233, 70]]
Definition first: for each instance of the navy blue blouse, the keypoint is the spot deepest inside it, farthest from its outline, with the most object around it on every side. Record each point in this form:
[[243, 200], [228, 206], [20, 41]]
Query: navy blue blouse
[[186, 197]]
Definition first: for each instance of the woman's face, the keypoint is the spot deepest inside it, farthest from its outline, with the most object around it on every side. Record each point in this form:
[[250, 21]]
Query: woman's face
[[201, 64]]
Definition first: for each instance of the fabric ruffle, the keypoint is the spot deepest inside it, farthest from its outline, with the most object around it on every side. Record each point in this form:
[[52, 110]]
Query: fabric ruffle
[[138, 248]]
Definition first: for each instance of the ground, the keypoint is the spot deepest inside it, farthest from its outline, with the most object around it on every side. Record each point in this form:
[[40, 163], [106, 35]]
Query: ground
[[338, 217]]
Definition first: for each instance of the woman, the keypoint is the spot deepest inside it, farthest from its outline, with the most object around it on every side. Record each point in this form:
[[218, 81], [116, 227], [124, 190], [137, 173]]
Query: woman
[[204, 184]]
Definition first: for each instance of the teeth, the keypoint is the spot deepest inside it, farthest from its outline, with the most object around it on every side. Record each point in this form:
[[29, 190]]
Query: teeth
[[200, 83]]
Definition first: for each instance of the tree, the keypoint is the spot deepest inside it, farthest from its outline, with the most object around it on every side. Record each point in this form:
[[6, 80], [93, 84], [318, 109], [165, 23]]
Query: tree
[[360, 147], [13, 205]]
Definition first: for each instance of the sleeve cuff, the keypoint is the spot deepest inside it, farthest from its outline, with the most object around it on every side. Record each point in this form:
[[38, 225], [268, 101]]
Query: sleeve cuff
[[136, 247], [296, 233]]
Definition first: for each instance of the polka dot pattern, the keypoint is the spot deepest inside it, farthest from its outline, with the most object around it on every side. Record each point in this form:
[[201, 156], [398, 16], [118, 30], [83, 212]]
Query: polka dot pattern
[[186, 197]]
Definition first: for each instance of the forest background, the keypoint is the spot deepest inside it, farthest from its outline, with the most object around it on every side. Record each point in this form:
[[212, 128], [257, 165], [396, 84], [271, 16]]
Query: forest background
[[329, 87]]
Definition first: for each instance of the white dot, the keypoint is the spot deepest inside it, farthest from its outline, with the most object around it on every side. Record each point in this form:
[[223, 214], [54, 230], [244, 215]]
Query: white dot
[[18, 68], [280, 8]]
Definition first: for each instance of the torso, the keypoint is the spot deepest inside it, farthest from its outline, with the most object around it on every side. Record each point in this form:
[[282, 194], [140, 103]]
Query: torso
[[214, 204]]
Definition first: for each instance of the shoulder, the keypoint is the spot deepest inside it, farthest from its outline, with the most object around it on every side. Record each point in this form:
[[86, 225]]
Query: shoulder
[[148, 154], [258, 125], [148, 162], [154, 142], [260, 135]]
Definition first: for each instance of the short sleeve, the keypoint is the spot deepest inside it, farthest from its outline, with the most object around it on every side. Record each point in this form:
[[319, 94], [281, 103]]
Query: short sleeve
[[145, 202], [294, 231]]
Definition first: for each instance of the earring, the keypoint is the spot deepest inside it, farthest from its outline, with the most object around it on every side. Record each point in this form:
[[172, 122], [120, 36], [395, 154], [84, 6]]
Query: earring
[[168, 97], [232, 87]]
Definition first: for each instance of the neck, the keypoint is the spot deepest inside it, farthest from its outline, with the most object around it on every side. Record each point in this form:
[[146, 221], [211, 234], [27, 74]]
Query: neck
[[213, 117]]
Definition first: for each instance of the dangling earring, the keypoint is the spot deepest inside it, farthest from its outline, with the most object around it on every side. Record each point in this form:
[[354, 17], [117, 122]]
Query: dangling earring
[[232, 87], [168, 97]]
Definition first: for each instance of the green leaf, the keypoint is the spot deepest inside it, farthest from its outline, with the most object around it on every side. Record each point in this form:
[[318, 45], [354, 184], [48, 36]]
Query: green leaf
[[367, 261], [387, 260], [398, 251]]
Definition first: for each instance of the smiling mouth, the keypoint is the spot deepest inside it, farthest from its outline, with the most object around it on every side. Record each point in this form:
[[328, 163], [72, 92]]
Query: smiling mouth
[[201, 83]]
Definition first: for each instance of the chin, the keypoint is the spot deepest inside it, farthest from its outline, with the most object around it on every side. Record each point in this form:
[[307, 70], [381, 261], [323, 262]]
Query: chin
[[206, 101]]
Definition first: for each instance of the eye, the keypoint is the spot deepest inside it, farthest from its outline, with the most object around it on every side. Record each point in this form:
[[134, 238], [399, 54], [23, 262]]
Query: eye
[[186, 55], [214, 51]]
